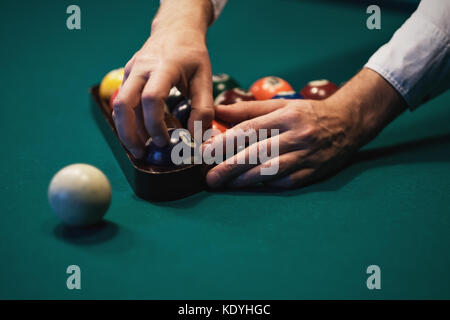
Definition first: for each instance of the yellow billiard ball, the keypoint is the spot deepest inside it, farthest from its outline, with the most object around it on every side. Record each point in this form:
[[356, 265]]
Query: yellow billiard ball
[[110, 83]]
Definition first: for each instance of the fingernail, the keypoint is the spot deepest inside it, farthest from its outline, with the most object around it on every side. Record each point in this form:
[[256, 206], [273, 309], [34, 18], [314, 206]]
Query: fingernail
[[137, 153], [160, 141], [213, 179]]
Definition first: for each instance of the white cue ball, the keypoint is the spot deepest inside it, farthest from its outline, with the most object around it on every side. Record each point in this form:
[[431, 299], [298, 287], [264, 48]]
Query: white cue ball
[[79, 195]]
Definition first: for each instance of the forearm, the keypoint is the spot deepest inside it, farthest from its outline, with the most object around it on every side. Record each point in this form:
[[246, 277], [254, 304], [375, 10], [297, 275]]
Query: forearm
[[188, 15], [369, 102]]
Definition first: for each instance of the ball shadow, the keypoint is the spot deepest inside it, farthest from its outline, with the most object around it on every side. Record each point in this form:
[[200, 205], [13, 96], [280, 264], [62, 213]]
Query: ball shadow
[[188, 202], [99, 233]]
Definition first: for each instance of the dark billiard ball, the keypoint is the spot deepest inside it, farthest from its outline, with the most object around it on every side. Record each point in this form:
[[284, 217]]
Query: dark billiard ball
[[267, 87], [162, 156], [182, 111], [222, 82], [319, 89], [174, 98], [288, 95], [232, 96]]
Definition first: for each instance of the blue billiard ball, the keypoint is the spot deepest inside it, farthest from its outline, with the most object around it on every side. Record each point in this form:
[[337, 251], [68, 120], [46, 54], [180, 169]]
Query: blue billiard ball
[[289, 95], [182, 112], [162, 156]]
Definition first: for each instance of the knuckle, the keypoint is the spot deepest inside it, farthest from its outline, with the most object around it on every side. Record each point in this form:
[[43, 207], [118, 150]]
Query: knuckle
[[307, 133], [228, 168], [247, 125], [129, 64], [293, 112]]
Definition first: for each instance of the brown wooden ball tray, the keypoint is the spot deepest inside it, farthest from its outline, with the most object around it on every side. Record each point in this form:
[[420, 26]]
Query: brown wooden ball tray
[[151, 183]]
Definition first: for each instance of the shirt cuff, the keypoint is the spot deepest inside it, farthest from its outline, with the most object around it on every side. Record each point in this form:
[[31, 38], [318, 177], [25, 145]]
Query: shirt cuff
[[218, 6], [416, 60]]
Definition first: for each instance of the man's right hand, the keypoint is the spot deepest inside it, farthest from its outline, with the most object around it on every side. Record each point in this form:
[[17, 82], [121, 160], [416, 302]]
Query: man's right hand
[[174, 55]]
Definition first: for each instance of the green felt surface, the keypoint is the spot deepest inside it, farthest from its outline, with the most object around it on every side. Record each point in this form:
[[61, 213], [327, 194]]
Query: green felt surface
[[390, 208]]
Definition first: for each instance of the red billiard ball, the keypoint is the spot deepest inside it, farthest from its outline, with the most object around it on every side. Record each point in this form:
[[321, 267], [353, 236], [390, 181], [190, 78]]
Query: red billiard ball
[[217, 125], [319, 89], [267, 87], [111, 101], [233, 96]]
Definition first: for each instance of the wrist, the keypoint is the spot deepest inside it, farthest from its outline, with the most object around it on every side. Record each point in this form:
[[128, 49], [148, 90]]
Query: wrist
[[193, 16], [368, 103]]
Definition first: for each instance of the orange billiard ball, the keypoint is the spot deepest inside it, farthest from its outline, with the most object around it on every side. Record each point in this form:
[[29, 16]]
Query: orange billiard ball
[[233, 96], [111, 101], [217, 125], [267, 87]]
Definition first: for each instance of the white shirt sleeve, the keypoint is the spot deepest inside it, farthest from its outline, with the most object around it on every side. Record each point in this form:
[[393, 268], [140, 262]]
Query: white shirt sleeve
[[416, 61], [218, 6]]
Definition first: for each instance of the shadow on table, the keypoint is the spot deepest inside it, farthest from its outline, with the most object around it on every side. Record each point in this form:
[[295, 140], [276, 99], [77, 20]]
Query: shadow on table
[[433, 149], [185, 203], [101, 232]]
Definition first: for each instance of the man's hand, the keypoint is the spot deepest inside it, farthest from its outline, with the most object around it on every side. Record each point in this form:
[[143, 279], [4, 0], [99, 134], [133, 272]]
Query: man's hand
[[315, 139], [174, 55]]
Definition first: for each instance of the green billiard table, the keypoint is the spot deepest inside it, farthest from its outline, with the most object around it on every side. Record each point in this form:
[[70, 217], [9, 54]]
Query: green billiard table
[[390, 207]]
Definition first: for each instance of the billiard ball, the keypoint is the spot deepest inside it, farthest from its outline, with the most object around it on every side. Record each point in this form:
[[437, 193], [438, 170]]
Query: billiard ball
[[111, 101], [79, 195], [174, 98], [232, 96], [319, 89], [110, 83], [182, 111], [267, 87], [288, 95], [162, 156], [218, 125], [222, 82]]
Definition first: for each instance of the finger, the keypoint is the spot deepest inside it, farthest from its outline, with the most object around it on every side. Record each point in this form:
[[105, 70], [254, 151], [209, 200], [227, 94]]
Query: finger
[[241, 111], [297, 179], [248, 132], [246, 159], [202, 101], [153, 96], [124, 116], [140, 126], [272, 169]]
